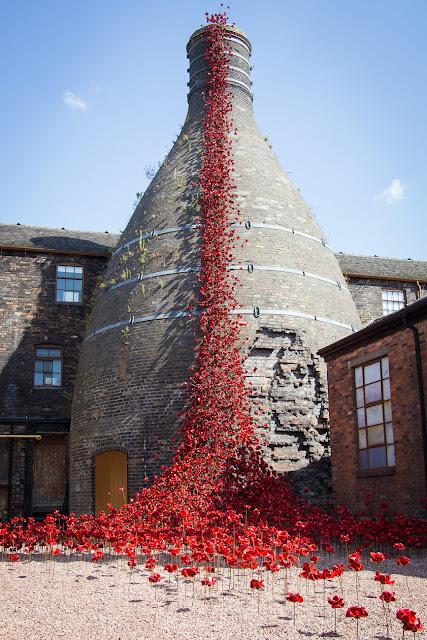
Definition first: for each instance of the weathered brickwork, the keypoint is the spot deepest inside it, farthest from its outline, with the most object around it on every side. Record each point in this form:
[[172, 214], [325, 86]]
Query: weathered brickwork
[[367, 294], [404, 486], [288, 381], [31, 317], [130, 383]]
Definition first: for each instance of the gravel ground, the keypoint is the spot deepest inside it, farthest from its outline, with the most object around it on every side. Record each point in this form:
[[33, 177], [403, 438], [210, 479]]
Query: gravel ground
[[83, 601]]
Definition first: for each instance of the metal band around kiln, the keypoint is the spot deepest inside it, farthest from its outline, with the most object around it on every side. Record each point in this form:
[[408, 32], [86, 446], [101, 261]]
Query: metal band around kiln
[[232, 267], [248, 224], [256, 312]]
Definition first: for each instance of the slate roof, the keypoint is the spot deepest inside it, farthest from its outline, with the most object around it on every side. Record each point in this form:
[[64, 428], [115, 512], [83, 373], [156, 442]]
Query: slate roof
[[382, 267], [381, 326], [23, 236]]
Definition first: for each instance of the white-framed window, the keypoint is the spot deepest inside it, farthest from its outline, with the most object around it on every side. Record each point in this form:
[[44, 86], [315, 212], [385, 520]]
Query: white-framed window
[[393, 300], [47, 366], [374, 418], [69, 283]]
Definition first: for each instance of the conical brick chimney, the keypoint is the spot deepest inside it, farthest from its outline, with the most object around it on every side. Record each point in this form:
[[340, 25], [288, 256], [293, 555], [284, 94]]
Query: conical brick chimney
[[139, 345]]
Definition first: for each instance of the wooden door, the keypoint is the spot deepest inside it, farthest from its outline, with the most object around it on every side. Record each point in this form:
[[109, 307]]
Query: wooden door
[[49, 474], [111, 474]]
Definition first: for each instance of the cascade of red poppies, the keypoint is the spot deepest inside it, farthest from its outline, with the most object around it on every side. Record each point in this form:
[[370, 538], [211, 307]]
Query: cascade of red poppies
[[217, 423], [219, 450]]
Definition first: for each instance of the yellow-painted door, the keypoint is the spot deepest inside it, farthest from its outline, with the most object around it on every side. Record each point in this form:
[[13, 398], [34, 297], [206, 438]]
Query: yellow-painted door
[[111, 474]]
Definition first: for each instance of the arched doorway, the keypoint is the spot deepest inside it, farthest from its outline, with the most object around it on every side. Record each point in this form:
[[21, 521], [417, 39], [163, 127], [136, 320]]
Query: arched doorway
[[111, 475]]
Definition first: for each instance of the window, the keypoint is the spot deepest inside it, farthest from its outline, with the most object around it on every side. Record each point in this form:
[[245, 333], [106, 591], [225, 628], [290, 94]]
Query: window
[[69, 283], [48, 367], [393, 300], [375, 428]]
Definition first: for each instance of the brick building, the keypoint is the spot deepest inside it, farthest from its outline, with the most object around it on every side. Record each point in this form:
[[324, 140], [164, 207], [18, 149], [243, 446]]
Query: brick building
[[380, 286], [33, 474], [135, 352], [48, 277], [377, 381]]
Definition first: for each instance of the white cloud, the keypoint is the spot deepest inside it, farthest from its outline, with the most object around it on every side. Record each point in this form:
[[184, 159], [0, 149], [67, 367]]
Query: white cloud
[[393, 193], [74, 102], [95, 86]]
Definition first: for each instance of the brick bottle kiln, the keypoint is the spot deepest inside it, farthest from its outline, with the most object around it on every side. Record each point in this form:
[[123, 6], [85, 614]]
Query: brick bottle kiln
[[139, 344]]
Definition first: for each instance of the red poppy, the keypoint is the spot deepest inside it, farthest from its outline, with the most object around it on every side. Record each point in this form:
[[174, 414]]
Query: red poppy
[[336, 602], [257, 584], [171, 568], [155, 577], [377, 557], [132, 562], [409, 620], [209, 582], [356, 612], [402, 561], [294, 597], [386, 596], [383, 578]]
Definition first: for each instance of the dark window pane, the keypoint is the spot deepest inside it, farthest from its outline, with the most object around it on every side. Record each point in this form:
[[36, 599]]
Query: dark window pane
[[41, 353], [55, 353], [363, 459], [377, 457], [38, 379], [39, 365]]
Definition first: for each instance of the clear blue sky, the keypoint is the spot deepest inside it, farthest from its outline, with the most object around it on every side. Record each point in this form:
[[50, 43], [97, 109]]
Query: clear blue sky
[[93, 91]]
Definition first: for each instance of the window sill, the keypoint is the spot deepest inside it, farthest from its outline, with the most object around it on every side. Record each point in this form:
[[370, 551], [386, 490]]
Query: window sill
[[391, 471], [46, 388], [72, 304]]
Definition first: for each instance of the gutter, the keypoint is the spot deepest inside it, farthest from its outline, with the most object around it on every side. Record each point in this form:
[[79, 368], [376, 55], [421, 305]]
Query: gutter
[[69, 252], [420, 386]]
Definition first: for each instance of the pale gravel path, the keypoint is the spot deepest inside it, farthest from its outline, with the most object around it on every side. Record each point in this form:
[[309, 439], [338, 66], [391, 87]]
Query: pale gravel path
[[81, 601]]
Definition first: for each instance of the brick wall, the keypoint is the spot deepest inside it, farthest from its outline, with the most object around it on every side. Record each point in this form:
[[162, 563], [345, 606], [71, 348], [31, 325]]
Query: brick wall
[[403, 489], [367, 294], [30, 316]]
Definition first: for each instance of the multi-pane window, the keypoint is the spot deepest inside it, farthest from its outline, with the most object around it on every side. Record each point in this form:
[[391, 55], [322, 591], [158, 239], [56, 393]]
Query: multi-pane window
[[48, 367], [375, 428], [69, 283], [393, 300]]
